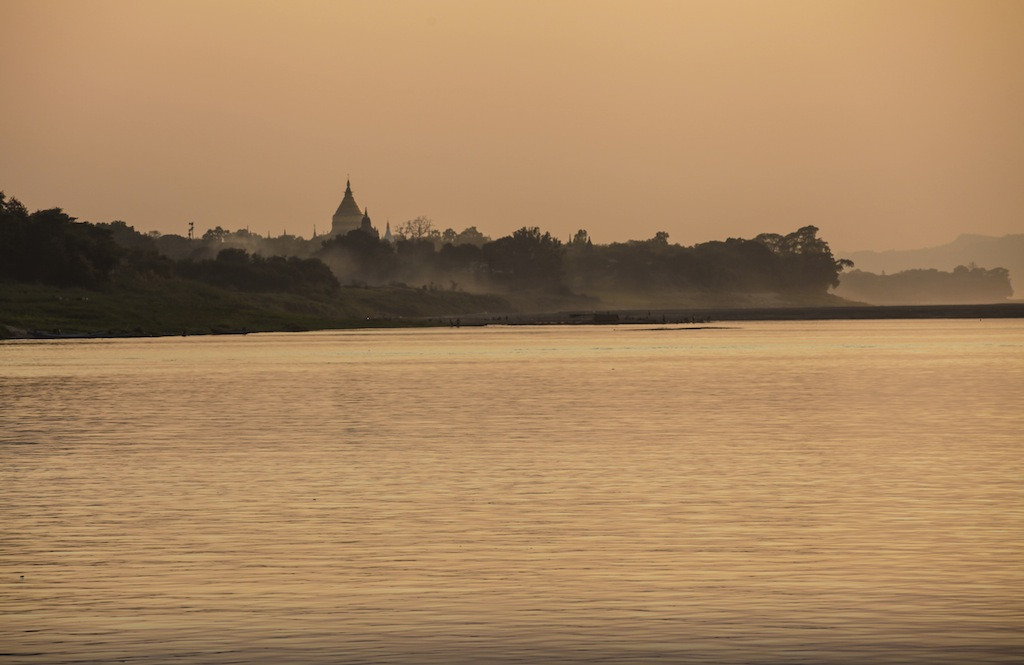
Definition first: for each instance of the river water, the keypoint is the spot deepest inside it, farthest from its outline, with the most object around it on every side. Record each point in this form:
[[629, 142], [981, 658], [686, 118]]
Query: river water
[[780, 492]]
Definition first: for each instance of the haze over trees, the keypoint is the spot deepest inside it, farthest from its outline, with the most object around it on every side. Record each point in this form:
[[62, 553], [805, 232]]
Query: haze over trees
[[964, 285], [797, 263], [967, 249], [532, 260], [48, 246]]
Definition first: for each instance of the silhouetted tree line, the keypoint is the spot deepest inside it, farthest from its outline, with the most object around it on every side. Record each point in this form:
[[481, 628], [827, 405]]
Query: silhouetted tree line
[[237, 269], [530, 259], [964, 285], [797, 262], [49, 246]]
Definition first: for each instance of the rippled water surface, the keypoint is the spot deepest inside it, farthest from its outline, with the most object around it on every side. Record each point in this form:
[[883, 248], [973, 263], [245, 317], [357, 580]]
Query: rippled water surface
[[823, 492]]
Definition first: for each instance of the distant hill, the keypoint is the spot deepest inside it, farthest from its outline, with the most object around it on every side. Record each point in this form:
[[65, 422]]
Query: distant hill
[[984, 251]]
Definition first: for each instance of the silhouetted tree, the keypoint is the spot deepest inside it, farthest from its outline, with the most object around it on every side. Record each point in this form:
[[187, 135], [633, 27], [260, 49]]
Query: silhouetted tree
[[471, 236], [420, 228], [51, 247], [215, 235], [141, 257], [526, 259], [806, 261]]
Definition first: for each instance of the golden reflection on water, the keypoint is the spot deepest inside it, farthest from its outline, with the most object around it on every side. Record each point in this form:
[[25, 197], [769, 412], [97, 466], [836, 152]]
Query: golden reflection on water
[[834, 492]]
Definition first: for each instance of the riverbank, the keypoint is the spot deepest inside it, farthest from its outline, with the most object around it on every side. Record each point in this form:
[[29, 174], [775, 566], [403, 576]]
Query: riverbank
[[163, 307], [777, 313], [177, 307]]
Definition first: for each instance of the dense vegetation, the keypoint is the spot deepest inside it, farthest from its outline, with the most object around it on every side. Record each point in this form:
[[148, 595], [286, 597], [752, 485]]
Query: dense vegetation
[[798, 264], [51, 247], [529, 259], [327, 282], [963, 285], [61, 276]]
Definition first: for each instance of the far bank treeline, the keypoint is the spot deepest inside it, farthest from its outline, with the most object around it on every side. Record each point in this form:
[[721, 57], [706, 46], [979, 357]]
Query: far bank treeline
[[51, 247]]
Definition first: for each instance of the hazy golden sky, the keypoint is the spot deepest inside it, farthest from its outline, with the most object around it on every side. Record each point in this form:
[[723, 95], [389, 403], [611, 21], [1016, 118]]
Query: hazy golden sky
[[888, 124]]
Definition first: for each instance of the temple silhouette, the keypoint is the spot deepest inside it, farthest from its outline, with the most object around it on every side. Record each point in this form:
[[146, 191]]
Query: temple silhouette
[[348, 217]]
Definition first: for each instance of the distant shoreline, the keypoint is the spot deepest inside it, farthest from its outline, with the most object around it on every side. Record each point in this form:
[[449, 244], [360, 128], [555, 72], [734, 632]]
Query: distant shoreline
[[712, 314], [675, 316]]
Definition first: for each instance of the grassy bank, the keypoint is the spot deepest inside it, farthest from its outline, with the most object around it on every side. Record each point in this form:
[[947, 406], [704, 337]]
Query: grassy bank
[[674, 315], [176, 306]]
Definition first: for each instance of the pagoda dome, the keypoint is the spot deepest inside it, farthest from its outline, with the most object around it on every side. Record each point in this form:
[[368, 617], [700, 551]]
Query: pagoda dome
[[348, 217]]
